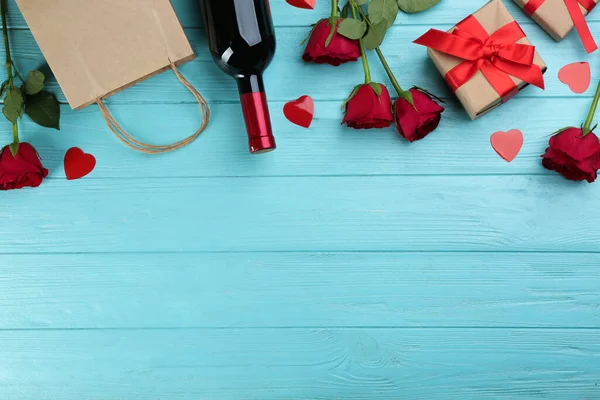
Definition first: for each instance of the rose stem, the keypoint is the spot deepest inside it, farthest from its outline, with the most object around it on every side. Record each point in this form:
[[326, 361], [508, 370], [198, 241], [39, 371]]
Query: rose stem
[[389, 72], [333, 21], [588, 122], [334, 8], [9, 63], [6, 43], [386, 66], [363, 54]]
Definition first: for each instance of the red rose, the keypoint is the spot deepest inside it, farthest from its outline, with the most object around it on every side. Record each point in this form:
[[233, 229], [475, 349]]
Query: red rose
[[416, 122], [573, 155], [23, 170], [365, 109], [340, 49]]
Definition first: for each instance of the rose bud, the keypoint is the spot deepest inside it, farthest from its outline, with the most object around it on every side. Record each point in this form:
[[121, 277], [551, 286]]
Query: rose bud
[[574, 155], [366, 108], [414, 123], [24, 169], [326, 48]]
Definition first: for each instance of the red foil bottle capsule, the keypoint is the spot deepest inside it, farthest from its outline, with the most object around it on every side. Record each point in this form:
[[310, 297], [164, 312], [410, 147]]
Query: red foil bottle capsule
[[242, 43], [258, 122]]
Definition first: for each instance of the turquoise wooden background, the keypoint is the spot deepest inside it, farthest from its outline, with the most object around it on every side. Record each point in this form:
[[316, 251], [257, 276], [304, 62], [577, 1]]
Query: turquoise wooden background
[[345, 265]]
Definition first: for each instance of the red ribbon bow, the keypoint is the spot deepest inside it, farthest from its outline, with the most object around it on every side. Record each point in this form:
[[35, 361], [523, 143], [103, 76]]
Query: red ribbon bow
[[497, 56], [577, 16]]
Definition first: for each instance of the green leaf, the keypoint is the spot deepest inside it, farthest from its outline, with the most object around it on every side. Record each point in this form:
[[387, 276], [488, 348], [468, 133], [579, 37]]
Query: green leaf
[[352, 28], [44, 109], [361, 2], [3, 88], [345, 11], [354, 91], [34, 83], [13, 104], [413, 6], [14, 148], [22, 108], [314, 26], [333, 23], [376, 88], [560, 131], [383, 10], [428, 93], [406, 95], [375, 35]]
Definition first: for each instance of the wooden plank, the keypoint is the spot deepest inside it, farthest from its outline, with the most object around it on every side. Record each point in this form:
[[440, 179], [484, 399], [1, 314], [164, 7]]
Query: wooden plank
[[289, 77], [447, 12], [311, 364], [328, 148], [299, 290], [415, 213]]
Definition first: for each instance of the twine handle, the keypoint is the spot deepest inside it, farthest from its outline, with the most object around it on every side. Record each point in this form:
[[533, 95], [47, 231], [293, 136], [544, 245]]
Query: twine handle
[[147, 148]]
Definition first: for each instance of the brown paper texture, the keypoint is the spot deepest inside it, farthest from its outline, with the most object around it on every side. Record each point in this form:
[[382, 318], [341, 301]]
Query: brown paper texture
[[477, 96], [553, 17], [96, 48]]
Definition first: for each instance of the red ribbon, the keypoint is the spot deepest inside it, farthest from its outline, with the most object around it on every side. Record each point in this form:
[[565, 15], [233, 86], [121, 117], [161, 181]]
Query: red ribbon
[[577, 16], [496, 56]]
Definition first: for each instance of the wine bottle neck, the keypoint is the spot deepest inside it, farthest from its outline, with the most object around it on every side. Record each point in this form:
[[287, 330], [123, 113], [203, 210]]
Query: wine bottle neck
[[250, 84], [256, 113]]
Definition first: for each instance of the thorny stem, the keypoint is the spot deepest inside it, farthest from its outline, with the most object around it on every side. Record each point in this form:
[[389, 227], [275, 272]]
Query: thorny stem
[[9, 63], [590, 118], [363, 54]]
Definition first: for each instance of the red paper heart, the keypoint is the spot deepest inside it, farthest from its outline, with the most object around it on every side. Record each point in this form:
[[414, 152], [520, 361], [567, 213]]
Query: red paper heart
[[301, 111], [507, 144], [78, 164], [308, 4], [577, 76]]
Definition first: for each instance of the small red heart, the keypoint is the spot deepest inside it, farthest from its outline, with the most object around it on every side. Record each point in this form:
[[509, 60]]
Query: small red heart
[[577, 75], [301, 111], [507, 144], [78, 164], [307, 4]]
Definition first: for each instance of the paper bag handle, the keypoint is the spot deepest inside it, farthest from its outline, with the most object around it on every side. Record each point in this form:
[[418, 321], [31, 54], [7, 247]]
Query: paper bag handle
[[147, 148]]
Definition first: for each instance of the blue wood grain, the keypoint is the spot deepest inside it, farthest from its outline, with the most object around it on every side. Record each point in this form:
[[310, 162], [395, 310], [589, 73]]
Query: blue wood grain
[[310, 364], [345, 265], [299, 290], [414, 213]]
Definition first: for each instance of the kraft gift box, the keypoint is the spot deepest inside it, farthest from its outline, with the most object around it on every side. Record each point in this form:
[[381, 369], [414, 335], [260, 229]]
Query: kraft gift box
[[477, 95], [553, 16]]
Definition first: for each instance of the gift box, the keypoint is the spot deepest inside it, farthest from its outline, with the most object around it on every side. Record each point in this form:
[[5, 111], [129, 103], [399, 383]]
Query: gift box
[[559, 17], [486, 58]]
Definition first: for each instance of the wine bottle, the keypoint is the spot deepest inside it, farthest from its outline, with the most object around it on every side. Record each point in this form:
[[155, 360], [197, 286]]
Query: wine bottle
[[241, 39]]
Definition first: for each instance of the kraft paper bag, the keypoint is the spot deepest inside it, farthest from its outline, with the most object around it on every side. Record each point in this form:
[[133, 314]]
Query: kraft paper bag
[[97, 48]]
